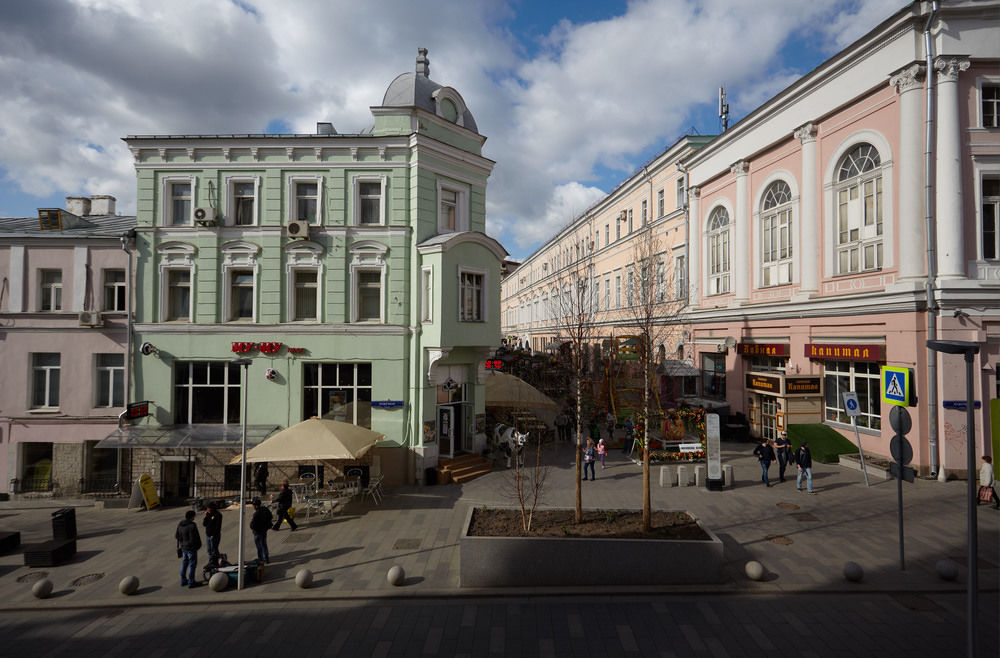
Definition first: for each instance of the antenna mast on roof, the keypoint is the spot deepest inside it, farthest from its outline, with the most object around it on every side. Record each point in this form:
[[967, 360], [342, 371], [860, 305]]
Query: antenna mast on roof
[[723, 109]]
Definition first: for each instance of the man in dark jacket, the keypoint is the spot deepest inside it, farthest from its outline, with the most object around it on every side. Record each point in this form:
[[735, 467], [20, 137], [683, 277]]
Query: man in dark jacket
[[765, 455], [805, 462], [284, 502], [213, 530], [260, 523], [784, 450], [188, 543], [260, 477]]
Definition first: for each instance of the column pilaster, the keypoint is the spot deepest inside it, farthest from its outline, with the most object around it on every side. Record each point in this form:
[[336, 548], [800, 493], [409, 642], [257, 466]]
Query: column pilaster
[[741, 233], [910, 229], [948, 173], [808, 228]]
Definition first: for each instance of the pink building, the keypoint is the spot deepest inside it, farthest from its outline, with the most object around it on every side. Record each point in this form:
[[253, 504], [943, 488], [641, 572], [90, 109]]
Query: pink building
[[63, 335]]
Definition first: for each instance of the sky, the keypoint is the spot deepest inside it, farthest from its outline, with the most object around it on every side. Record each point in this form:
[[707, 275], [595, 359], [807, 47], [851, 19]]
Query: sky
[[573, 97]]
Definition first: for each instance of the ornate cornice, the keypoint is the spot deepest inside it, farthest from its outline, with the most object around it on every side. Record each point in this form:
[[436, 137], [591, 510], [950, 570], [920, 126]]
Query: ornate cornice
[[948, 67]]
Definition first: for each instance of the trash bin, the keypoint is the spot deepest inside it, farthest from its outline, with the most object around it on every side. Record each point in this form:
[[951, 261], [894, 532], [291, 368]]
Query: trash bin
[[64, 524]]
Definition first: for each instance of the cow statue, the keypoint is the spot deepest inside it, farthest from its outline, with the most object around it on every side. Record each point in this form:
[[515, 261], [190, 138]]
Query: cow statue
[[510, 441]]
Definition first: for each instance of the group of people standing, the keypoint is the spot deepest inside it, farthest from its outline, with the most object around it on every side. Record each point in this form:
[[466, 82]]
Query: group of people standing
[[780, 450], [189, 539]]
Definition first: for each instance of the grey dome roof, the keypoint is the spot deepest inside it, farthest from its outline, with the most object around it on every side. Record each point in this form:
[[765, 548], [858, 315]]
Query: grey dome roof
[[416, 89]]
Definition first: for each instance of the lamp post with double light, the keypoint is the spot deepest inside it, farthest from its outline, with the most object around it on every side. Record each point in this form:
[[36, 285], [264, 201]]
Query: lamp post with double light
[[245, 363]]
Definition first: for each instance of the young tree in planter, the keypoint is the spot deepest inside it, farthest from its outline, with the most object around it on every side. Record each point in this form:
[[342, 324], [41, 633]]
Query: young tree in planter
[[653, 311], [528, 483], [573, 306]]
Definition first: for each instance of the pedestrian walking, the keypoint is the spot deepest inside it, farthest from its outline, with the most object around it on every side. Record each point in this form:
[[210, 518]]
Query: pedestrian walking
[[629, 435], [602, 450], [784, 452], [588, 459], [260, 477], [609, 421], [804, 461], [562, 426], [987, 483], [765, 455], [284, 503], [213, 530], [260, 523], [188, 543]]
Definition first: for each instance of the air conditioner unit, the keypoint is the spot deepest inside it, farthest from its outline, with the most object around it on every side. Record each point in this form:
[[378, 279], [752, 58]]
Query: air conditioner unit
[[91, 319], [204, 216], [298, 229], [721, 347]]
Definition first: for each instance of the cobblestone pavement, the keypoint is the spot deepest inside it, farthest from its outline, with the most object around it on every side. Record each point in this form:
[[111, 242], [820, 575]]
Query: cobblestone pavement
[[802, 540]]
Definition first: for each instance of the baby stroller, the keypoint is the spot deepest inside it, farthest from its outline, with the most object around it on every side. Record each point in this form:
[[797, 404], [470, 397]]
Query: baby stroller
[[253, 569], [214, 565]]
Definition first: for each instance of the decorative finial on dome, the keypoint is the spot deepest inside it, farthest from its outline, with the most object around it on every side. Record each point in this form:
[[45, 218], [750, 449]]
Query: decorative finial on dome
[[423, 64]]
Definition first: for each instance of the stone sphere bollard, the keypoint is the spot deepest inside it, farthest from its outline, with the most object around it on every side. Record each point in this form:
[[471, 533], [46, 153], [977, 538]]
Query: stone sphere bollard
[[42, 589], [129, 585], [219, 581], [304, 578], [396, 575], [755, 570], [947, 569], [853, 572]]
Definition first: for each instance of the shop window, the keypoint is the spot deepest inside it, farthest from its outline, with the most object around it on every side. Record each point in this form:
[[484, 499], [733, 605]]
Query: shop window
[[861, 377], [775, 364], [338, 391], [206, 392]]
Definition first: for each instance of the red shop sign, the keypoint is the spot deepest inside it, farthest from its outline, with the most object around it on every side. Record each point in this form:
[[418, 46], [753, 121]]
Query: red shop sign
[[846, 352], [764, 349]]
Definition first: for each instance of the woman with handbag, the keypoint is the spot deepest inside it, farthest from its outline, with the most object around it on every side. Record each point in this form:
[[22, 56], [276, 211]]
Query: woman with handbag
[[987, 484]]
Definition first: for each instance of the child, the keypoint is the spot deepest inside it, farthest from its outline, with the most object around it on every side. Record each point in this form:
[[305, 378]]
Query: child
[[602, 449], [588, 460]]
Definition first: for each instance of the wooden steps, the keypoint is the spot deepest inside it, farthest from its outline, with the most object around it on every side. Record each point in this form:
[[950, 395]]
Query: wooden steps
[[462, 469]]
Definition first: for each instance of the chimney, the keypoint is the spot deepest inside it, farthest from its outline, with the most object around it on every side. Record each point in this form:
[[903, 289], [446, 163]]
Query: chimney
[[325, 128], [78, 205], [102, 204], [423, 64]]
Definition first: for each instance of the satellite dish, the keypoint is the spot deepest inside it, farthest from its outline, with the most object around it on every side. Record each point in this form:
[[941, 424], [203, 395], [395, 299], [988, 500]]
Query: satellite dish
[[730, 342]]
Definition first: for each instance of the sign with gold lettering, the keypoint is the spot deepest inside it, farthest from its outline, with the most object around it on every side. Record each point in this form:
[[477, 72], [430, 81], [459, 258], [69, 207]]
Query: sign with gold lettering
[[802, 385], [763, 383], [764, 349], [845, 352]]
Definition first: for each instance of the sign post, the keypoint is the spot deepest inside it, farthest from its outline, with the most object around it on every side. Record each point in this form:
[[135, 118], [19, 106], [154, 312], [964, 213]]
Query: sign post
[[713, 452], [853, 409]]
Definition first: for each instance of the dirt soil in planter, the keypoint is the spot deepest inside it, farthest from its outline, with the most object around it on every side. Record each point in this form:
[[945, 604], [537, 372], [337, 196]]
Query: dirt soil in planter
[[596, 524]]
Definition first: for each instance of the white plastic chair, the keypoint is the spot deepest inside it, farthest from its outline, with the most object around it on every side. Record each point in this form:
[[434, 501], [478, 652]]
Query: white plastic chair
[[374, 489]]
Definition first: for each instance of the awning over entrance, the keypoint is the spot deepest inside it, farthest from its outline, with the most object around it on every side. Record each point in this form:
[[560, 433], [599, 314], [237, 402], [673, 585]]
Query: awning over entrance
[[185, 436], [676, 368]]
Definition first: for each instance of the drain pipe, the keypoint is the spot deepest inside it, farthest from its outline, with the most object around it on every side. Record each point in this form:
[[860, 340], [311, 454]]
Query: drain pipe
[[125, 238], [937, 469]]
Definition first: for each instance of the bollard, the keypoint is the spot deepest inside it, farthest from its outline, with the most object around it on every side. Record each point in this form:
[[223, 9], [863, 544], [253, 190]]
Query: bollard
[[699, 475], [682, 476], [665, 476], [727, 472]]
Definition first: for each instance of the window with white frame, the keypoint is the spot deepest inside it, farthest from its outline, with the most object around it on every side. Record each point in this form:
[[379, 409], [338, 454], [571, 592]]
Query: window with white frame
[[427, 294], [368, 295], [681, 193], [50, 290], [859, 211], [206, 392], [305, 299], [114, 290], [680, 277], [369, 209], [644, 212], [660, 204], [718, 251], [471, 294], [597, 295], [45, 380], [607, 235], [861, 377], [661, 281], [990, 95], [629, 286], [242, 202], [339, 391], [110, 376], [776, 234], [618, 229], [178, 295], [991, 217], [306, 200], [607, 293], [618, 291], [179, 203], [241, 294]]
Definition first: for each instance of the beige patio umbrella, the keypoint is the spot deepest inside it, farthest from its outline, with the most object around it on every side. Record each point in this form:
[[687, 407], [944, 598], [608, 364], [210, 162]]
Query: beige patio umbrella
[[503, 390], [314, 440]]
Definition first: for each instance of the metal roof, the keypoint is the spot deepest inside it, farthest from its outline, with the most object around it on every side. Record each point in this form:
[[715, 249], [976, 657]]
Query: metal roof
[[105, 226]]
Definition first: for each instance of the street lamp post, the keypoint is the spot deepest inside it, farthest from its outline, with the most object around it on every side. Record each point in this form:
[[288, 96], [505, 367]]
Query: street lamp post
[[969, 350], [243, 465]]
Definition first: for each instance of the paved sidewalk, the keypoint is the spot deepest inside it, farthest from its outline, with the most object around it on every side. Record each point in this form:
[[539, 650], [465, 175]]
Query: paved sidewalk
[[802, 540]]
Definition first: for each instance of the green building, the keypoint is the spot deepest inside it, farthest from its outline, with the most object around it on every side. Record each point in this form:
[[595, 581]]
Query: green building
[[352, 269]]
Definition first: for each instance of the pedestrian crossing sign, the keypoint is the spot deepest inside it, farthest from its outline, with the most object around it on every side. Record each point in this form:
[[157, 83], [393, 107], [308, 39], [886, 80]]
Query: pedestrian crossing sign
[[897, 386]]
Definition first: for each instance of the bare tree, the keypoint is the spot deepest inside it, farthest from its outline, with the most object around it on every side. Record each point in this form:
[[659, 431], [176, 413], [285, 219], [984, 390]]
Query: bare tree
[[653, 310], [528, 483]]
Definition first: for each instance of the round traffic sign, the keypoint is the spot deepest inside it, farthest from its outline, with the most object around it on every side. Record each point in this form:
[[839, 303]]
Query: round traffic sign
[[852, 404], [899, 420], [900, 449]]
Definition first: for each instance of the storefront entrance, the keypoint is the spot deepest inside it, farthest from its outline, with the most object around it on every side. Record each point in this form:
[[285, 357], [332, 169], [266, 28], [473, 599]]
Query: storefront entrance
[[176, 478]]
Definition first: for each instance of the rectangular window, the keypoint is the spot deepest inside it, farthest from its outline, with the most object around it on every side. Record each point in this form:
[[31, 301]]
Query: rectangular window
[[991, 106], [471, 295], [369, 295], [597, 295], [178, 295], [449, 208], [862, 378], [607, 235], [607, 293], [644, 212], [426, 295], [630, 229], [110, 380], [618, 291], [338, 391], [306, 201], [680, 277], [114, 290], [243, 204], [180, 204], [370, 202], [629, 287], [51, 290], [681, 193], [241, 295], [713, 375], [306, 295], [661, 281], [991, 217], [859, 227], [45, 380], [206, 392], [660, 209], [618, 230]]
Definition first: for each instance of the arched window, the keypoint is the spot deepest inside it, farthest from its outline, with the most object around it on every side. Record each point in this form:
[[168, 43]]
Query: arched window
[[718, 251], [776, 234], [859, 210]]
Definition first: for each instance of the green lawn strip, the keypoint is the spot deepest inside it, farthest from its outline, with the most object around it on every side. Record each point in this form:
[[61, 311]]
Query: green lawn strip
[[825, 444]]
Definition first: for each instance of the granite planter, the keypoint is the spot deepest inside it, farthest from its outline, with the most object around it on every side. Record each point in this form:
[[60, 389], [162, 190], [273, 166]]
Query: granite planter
[[562, 561]]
